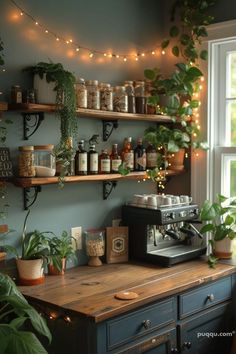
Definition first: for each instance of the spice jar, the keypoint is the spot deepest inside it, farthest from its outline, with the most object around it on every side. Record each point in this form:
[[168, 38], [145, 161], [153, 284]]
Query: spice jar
[[129, 89], [81, 93], [26, 161], [16, 94], [93, 94], [106, 97], [95, 246], [120, 99], [44, 160]]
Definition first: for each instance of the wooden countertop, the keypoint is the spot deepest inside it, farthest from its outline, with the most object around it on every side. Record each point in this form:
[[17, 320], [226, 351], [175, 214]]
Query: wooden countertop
[[90, 291]]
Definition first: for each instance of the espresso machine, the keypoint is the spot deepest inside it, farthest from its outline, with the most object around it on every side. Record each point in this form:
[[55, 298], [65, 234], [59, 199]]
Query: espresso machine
[[165, 236]]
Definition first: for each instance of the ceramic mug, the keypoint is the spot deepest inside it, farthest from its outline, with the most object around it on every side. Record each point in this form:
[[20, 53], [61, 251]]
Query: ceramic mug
[[167, 200], [185, 199], [151, 202], [142, 201], [159, 199]]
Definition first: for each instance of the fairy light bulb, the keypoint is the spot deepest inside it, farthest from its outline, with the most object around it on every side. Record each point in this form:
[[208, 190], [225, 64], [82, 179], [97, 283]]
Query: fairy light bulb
[[21, 13], [67, 42], [36, 23], [77, 49], [143, 54], [197, 154], [90, 55], [46, 31], [110, 55], [202, 79], [199, 127], [200, 87], [105, 54], [57, 39], [194, 134], [136, 58], [186, 155], [70, 40], [117, 56], [153, 52], [67, 319], [163, 52], [125, 59]]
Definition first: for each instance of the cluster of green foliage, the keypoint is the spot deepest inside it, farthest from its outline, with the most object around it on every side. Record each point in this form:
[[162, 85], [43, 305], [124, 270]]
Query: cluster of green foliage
[[15, 312]]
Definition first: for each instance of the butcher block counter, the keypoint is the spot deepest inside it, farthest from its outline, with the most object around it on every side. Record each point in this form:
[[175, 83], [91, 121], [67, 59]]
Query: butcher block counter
[[168, 300]]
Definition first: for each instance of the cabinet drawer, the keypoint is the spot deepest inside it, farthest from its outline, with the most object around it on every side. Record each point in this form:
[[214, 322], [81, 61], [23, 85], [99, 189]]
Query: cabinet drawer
[[204, 297], [140, 322]]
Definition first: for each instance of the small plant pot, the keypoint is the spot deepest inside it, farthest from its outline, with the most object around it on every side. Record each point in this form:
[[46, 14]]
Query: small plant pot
[[52, 270], [177, 160], [30, 271], [223, 248], [44, 90]]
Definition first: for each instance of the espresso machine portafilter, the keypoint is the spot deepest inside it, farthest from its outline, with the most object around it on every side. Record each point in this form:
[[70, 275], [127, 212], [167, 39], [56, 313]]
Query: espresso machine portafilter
[[164, 236]]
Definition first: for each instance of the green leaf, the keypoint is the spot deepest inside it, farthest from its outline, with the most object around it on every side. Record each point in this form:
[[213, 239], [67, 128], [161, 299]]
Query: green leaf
[[38, 322], [123, 170], [174, 31], [149, 74], [175, 51], [221, 198], [212, 261], [165, 43], [229, 220], [204, 54], [194, 103], [207, 228], [221, 232], [184, 39], [24, 342], [208, 212]]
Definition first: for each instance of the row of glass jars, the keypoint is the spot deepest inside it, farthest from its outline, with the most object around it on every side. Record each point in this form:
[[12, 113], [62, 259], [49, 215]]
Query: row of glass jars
[[102, 96]]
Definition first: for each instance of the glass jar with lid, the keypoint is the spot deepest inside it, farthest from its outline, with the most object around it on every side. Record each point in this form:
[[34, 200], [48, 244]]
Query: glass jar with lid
[[44, 160], [81, 93], [140, 99], [106, 97], [120, 99], [93, 94], [95, 246], [26, 161], [129, 88]]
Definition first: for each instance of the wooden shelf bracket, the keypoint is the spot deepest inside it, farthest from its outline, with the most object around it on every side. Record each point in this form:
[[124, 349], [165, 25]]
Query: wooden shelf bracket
[[31, 122], [108, 127], [108, 187], [29, 197]]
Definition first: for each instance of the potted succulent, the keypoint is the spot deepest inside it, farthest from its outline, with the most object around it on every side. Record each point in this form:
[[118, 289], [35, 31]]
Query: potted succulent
[[221, 224], [14, 312], [33, 258], [61, 249]]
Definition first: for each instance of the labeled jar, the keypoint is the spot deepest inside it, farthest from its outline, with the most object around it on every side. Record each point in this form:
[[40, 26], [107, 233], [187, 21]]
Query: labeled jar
[[106, 97], [104, 162], [16, 94], [93, 94], [44, 160], [95, 246], [26, 161], [129, 89], [120, 99], [81, 94]]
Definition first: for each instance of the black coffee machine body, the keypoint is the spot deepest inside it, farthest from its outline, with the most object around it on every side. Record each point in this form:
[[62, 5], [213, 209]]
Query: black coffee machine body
[[164, 236]]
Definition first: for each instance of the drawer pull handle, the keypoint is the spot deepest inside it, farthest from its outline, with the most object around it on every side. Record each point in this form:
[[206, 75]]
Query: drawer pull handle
[[187, 345], [211, 297], [146, 324]]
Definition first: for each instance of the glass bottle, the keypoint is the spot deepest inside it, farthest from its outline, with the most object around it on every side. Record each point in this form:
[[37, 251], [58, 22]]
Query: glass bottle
[[106, 97], [16, 94], [128, 154], [140, 99], [81, 94], [115, 159], [81, 160], [93, 94], [120, 99], [104, 162], [92, 160], [140, 161], [151, 157], [129, 88]]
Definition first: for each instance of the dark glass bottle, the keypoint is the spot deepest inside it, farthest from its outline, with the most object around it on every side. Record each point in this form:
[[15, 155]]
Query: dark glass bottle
[[151, 157], [128, 154], [115, 159], [140, 162], [93, 160], [81, 160], [104, 162]]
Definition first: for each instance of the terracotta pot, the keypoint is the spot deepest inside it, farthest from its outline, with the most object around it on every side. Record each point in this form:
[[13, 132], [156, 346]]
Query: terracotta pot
[[54, 271], [177, 160], [30, 271], [223, 248]]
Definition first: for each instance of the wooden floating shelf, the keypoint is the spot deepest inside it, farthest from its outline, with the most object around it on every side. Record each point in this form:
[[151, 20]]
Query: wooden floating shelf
[[89, 113], [3, 106], [40, 181]]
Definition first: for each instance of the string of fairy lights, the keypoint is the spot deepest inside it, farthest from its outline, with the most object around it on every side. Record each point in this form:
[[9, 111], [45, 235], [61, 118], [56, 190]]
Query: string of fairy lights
[[91, 52]]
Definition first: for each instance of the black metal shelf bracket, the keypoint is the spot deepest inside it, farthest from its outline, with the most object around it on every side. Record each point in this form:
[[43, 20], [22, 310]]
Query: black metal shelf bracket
[[108, 127], [31, 123], [30, 196], [108, 187]]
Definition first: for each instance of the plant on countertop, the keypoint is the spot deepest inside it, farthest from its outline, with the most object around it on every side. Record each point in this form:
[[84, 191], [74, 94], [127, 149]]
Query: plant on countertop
[[65, 105], [15, 311], [221, 221], [60, 248]]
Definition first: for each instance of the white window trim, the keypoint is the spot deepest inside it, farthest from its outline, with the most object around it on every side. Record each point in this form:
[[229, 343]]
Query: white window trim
[[202, 167]]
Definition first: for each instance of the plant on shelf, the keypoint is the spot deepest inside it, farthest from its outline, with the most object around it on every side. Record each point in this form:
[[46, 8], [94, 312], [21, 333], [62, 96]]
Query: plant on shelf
[[65, 105], [221, 224], [15, 311], [33, 257], [61, 250]]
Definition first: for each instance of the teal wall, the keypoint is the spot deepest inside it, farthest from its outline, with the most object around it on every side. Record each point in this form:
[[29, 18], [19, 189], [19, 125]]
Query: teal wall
[[105, 24]]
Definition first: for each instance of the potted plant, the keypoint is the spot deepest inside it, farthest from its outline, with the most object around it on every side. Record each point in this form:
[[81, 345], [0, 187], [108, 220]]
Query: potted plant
[[33, 258], [61, 249], [14, 313], [64, 86], [221, 222]]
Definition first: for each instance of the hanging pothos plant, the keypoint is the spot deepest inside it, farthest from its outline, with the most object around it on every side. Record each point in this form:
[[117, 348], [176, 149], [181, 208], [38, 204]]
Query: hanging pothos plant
[[65, 109]]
